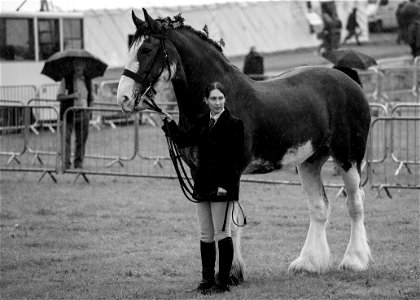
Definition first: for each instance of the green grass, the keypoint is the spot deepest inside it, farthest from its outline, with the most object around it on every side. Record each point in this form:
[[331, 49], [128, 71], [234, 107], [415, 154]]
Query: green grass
[[130, 238]]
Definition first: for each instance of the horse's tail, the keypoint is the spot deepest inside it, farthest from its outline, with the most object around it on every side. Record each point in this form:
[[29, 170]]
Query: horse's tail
[[237, 270]]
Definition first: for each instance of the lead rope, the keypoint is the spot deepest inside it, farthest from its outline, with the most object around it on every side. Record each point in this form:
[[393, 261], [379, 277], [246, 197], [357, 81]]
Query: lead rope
[[184, 181]]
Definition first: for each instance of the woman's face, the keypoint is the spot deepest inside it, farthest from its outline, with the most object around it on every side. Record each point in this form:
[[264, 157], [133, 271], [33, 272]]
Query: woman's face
[[215, 101]]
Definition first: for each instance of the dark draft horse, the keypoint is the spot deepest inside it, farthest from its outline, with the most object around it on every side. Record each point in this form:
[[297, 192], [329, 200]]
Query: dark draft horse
[[298, 119]]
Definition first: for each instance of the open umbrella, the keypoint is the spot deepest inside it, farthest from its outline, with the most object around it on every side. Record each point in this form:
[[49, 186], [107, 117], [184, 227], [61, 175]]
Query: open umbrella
[[350, 59], [60, 64]]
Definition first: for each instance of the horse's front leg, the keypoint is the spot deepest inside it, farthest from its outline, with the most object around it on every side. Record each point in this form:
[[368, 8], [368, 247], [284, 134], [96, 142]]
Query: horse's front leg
[[315, 254]]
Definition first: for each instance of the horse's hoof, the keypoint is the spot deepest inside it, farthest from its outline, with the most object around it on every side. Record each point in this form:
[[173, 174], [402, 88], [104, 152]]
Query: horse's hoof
[[353, 263], [235, 280], [302, 264]]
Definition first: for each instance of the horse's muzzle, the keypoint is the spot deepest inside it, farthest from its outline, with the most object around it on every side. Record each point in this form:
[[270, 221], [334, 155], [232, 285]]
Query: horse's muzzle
[[126, 105]]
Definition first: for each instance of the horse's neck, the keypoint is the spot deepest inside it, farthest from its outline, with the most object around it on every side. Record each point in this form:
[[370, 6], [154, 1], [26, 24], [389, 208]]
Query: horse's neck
[[201, 64]]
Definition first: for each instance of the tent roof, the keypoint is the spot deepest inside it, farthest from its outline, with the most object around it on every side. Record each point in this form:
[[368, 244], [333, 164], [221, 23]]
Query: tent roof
[[270, 26]]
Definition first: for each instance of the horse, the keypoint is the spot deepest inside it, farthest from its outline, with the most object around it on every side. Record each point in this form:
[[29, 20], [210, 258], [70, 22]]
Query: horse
[[300, 118]]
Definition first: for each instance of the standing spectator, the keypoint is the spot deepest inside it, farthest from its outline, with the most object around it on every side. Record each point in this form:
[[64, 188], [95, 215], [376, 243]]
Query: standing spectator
[[75, 90], [254, 63], [331, 35], [401, 23], [409, 18], [352, 27], [413, 37]]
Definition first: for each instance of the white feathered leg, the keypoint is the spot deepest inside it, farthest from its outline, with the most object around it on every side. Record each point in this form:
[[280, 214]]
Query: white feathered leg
[[358, 253], [315, 254]]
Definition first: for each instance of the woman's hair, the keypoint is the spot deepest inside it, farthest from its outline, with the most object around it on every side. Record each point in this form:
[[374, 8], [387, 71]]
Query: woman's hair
[[214, 86]]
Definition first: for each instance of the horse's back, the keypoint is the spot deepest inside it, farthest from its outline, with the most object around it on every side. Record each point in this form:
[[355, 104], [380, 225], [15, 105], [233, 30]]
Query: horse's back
[[318, 85]]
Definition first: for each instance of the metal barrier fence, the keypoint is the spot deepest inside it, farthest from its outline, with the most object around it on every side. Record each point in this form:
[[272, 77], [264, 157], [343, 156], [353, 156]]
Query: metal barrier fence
[[125, 148], [399, 84], [25, 150], [48, 91], [21, 93], [399, 139], [118, 145], [132, 148], [45, 118]]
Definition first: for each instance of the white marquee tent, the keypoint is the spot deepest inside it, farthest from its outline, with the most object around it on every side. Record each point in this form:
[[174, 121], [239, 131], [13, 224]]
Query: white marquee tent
[[271, 26]]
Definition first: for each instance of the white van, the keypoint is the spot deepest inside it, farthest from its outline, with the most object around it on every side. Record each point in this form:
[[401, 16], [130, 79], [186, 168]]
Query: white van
[[381, 14]]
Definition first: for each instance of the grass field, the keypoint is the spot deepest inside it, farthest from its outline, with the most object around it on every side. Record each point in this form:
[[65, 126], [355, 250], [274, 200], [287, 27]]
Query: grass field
[[136, 238]]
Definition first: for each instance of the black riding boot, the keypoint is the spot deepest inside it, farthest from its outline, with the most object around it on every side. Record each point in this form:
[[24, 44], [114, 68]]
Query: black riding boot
[[208, 259], [225, 264]]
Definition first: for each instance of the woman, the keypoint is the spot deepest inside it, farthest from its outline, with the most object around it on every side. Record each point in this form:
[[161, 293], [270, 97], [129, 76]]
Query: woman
[[219, 137], [75, 90]]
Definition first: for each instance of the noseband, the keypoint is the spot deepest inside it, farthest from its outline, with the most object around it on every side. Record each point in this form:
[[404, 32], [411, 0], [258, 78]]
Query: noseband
[[149, 80]]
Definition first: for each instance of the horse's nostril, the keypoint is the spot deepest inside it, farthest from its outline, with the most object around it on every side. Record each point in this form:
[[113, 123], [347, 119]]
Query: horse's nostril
[[124, 99]]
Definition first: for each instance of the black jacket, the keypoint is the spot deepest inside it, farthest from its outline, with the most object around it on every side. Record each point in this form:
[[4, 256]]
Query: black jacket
[[220, 154]]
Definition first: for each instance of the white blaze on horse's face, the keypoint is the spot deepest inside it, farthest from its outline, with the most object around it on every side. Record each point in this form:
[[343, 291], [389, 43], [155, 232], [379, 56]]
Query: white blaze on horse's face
[[128, 89]]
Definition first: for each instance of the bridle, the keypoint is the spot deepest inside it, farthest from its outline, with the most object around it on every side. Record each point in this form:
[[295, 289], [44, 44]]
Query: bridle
[[149, 80]]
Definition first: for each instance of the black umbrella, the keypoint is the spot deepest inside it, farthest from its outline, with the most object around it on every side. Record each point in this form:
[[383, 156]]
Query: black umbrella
[[350, 59], [60, 64]]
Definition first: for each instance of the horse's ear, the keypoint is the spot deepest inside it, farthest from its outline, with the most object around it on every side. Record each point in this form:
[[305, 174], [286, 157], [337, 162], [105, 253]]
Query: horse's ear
[[154, 25], [136, 20]]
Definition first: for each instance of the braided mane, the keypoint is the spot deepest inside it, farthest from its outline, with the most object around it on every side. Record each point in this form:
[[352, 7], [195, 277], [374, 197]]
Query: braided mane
[[178, 22]]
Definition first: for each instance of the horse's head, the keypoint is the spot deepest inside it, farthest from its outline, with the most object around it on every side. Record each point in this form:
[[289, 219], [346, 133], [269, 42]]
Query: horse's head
[[151, 64]]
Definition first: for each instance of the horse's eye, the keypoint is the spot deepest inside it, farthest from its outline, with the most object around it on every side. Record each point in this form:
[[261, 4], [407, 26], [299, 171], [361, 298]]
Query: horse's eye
[[145, 51]]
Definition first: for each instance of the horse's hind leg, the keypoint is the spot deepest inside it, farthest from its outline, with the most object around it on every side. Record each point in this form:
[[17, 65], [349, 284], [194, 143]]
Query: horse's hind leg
[[358, 254], [315, 254]]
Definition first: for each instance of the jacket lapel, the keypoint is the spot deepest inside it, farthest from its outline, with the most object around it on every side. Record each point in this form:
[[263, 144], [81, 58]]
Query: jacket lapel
[[221, 121]]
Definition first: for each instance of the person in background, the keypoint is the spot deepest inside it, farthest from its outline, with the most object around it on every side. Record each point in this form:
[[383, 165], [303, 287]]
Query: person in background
[[331, 34], [401, 23], [408, 17], [75, 90], [219, 137], [254, 63], [352, 27]]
